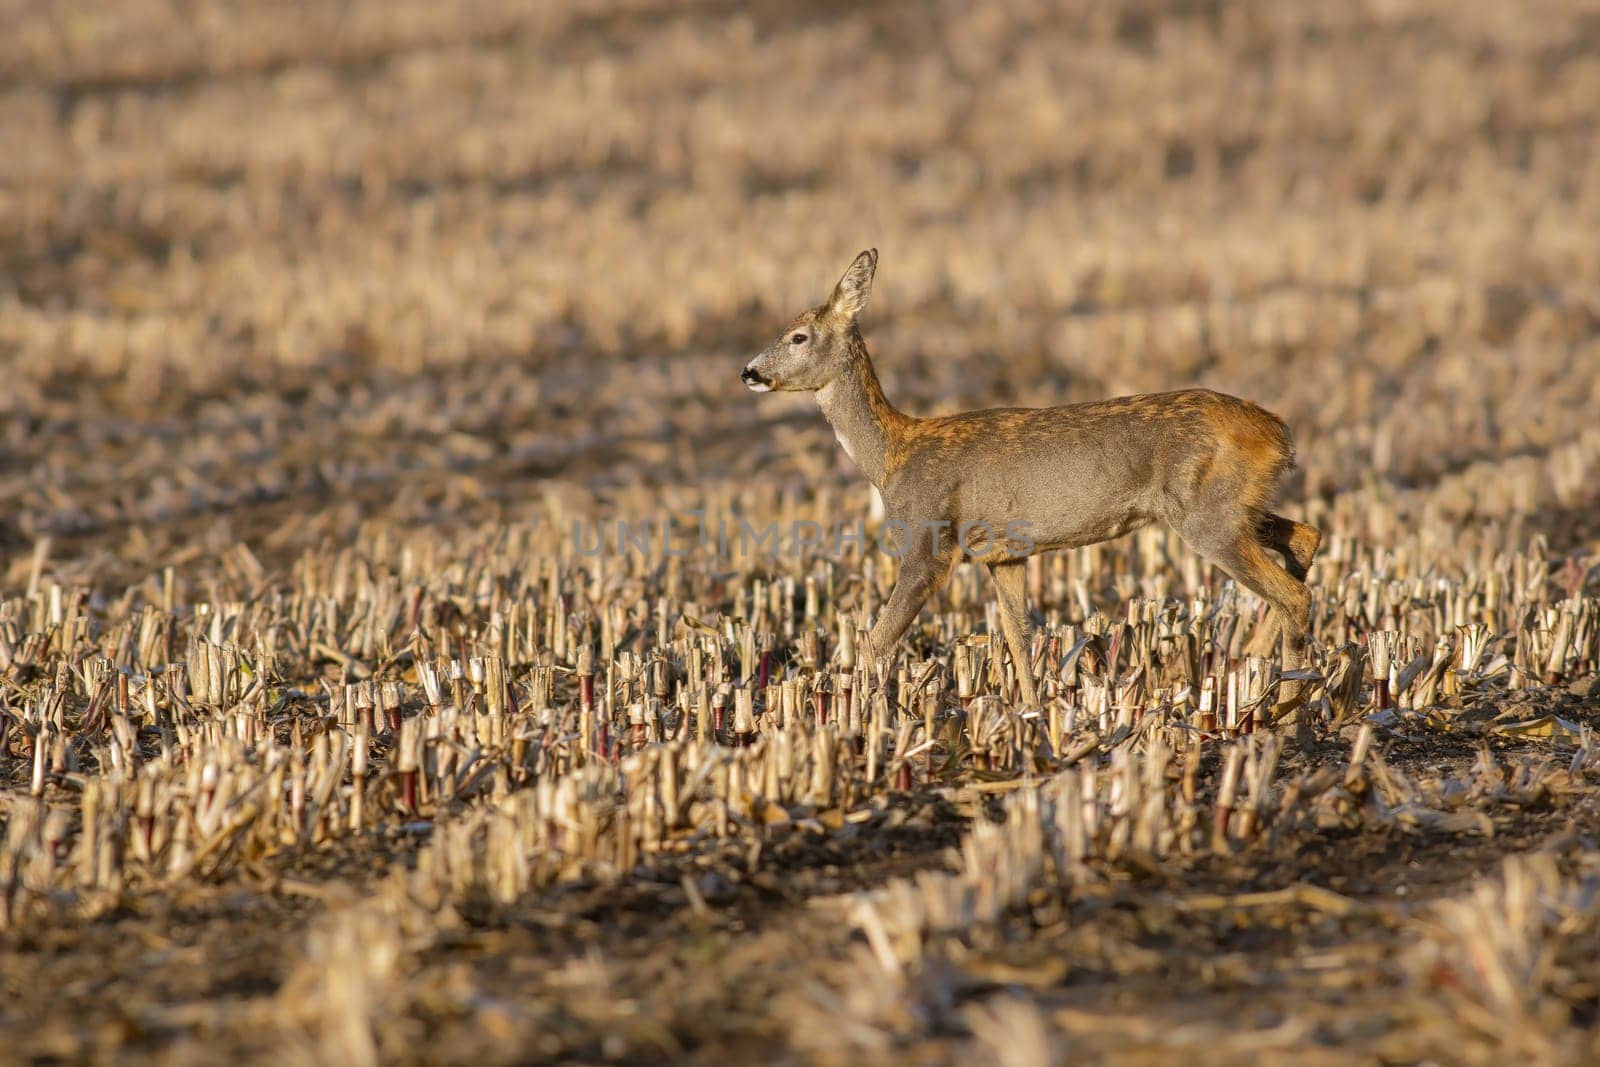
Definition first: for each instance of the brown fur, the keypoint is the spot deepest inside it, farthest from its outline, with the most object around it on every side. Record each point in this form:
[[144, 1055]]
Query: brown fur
[[1205, 463]]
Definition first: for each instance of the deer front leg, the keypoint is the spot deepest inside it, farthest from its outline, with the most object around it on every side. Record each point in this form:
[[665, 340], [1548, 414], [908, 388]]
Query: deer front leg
[[1009, 577], [924, 567]]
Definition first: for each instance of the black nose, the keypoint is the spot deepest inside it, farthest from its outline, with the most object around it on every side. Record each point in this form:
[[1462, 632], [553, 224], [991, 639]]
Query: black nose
[[750, 377]]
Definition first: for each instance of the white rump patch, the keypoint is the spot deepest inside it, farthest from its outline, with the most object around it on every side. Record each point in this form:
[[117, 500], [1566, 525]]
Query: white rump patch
[[876, 512]]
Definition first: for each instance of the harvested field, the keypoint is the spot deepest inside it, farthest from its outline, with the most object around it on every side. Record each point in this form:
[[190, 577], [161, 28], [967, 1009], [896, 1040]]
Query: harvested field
[[336, 335]]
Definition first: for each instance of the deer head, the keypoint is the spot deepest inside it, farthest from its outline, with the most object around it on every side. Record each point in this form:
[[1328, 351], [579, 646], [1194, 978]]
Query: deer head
[[819, 344]]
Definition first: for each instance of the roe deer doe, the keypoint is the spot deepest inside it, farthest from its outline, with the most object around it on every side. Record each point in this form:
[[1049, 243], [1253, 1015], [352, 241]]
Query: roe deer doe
[[1202, 462]]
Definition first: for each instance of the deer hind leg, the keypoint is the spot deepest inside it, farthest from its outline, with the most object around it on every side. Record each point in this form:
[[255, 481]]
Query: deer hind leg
[[1245, 559], [1295, 541], [1290, 599], [1011, 591]]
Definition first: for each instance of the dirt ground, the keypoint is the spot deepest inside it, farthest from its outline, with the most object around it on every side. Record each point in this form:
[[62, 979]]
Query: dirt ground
[[752, 970]]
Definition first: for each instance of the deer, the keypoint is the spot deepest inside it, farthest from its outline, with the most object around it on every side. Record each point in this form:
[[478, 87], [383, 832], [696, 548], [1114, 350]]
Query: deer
[[1001, 484]]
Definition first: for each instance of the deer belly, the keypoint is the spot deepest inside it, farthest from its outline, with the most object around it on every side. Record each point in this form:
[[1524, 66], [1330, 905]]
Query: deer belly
[[1068, 527]]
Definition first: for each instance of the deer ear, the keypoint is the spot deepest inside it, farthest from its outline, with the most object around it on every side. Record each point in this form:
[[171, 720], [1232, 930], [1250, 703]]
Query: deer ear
[[850, 295]]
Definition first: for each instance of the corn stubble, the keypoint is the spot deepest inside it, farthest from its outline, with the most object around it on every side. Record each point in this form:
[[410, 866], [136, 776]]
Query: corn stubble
[[297, 636]]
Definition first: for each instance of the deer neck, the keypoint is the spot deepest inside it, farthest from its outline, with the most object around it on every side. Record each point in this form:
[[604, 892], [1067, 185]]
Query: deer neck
[[863, 420]]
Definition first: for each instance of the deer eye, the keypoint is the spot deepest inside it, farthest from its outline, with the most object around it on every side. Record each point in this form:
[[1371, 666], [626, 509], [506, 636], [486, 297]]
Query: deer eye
[[798, 339]]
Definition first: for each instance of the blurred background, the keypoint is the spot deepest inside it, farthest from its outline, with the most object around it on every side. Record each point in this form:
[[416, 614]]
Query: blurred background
[[273, 270]]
